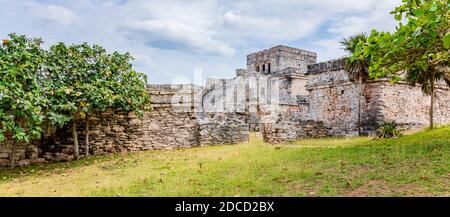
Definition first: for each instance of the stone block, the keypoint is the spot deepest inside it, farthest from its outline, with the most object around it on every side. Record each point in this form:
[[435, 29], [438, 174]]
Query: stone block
[[4, 155], [4, 163]]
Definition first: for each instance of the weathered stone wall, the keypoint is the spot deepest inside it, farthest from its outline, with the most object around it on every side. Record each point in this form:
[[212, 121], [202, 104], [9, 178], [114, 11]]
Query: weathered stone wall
[[222, 128], [331, 106], [333, 100], [246, 93], [336, 106], [292, 128], [409, 106], [24, 153], [172, 121], [112, 132], [333, 97]]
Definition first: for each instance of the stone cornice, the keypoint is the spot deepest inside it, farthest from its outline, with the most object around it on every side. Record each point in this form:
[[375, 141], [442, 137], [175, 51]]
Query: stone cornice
[[331, 65]]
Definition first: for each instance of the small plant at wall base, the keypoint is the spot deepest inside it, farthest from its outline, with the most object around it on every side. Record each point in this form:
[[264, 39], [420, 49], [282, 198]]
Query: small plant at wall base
[[419, 48], [388, 130]]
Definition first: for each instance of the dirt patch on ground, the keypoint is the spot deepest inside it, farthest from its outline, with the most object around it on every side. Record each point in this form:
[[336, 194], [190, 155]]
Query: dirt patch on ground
[[382, 188]]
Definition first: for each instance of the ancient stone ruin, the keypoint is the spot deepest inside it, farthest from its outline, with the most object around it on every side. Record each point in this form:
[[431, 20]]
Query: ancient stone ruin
[[289, 96], [283, 93]]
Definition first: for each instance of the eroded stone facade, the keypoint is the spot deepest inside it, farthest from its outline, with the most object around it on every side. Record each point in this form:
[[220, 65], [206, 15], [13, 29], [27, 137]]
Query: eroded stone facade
[[309, 99], [332, 105]]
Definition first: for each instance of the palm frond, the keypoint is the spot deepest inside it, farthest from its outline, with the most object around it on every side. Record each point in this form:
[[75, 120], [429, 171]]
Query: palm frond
[[349, 44], [357, 68]]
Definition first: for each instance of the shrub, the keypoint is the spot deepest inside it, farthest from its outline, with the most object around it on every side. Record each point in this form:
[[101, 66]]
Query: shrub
[[388, 130]]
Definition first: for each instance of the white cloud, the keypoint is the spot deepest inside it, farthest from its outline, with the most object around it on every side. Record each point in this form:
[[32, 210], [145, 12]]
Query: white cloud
[[328, 49], [288, 20], [377, 17], [58, 14], [142, 61], [163, 32], [269, 27]]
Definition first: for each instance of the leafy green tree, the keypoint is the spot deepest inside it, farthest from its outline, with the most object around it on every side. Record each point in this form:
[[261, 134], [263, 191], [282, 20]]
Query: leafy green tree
[[21, 98], [129, 86], [419, 48], [77, 77], [98, 94], [64, 85], [86, 79], [112, 83], [358, 68]]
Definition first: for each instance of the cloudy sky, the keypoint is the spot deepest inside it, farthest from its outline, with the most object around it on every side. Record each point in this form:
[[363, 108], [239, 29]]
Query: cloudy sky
[[170, 39]]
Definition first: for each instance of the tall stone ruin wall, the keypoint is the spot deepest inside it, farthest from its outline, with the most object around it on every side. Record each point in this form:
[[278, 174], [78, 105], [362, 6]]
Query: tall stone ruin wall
[[331, 106], [333, 100], [172, 121], [333, 97], [409, 107]]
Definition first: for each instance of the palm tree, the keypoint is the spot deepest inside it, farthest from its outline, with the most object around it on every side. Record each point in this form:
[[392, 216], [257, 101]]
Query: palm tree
[[357, 69]]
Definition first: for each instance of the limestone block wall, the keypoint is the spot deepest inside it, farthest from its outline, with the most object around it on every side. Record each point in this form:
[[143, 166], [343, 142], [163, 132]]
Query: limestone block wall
[[336, 106], [112, 132], [292, 128], [409, 106], [222, 128], [333, 97], [333, 100], [23, 153], [249, 92], [372, 107]]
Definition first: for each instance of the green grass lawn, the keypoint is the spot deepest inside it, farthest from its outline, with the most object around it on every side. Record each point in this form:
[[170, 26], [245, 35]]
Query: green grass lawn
[[413, 165]]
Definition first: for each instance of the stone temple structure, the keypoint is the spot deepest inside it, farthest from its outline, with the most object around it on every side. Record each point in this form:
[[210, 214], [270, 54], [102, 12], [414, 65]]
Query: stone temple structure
[[273, 84], [283, 93], [289, 96]]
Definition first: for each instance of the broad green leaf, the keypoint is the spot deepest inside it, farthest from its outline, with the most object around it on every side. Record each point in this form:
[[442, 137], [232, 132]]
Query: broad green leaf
[[418, 12], [433, 8], [446, 41]]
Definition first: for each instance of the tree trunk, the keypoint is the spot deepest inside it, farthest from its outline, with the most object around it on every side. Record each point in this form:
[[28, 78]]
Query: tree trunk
[[432, 103], [359, 104], [12, 162], [86, 136], [75, 140]]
